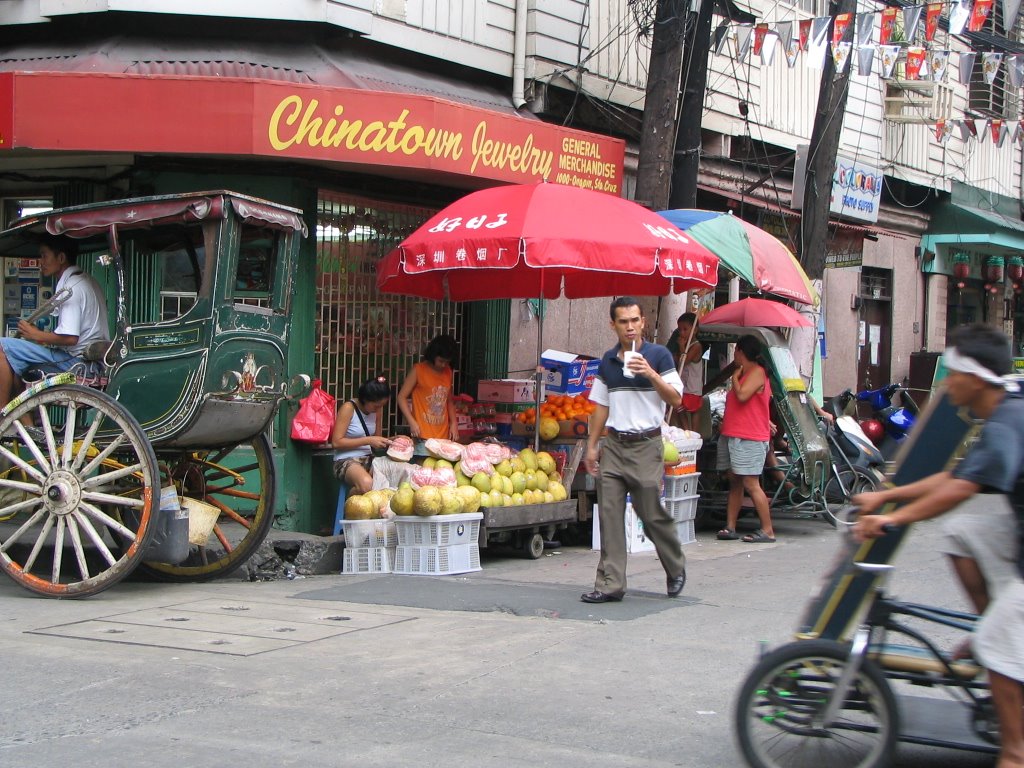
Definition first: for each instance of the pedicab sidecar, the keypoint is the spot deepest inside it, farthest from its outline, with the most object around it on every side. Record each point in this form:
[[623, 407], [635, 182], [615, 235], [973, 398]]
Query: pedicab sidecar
[[183, 395]]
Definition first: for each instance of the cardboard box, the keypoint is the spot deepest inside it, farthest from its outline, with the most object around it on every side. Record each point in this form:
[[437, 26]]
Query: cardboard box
[[636, 540], [506, 391], [567, 372]]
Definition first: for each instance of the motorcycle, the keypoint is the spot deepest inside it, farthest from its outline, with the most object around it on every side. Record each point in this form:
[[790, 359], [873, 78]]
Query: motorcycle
[[850, 444], [897, 421]]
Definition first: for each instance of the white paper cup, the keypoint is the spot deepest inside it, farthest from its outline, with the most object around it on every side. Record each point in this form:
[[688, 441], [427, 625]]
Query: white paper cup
[[628, 355]]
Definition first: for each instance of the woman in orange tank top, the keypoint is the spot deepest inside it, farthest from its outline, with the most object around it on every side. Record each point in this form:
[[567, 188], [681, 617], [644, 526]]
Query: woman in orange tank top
[[425, 398]]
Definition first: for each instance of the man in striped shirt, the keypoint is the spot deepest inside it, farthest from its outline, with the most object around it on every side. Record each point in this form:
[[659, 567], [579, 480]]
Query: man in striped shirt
[[631, 403]]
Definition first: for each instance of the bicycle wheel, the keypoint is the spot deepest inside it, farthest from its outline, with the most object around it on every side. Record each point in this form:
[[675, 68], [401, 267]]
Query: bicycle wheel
[[783, 696], [77, 498], [239, 482], [839, 489]]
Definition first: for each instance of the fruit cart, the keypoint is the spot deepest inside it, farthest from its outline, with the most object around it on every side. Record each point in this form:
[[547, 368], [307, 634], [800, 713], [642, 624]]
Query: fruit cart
[[528, 526], [181, 399]]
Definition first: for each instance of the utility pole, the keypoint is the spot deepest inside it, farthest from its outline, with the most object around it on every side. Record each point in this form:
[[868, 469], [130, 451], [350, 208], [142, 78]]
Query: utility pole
[[658, 132], [823, 148], [657, 136], [688, 139]]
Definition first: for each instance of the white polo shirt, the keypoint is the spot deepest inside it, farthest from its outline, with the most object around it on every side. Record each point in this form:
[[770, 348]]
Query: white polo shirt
[[84, 314]]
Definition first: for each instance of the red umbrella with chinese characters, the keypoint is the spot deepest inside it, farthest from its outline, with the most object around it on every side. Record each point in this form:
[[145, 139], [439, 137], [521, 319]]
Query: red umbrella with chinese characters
[[545, 240]]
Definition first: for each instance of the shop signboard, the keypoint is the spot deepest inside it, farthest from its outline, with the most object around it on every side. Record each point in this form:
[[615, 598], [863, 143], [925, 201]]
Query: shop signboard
[[371, 129], [856, 187]]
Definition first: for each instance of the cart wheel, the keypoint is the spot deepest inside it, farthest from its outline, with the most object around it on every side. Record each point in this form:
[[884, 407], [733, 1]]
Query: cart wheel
[[533, 546], [840, 489], [77, 493], [239, 481], [778, 709]]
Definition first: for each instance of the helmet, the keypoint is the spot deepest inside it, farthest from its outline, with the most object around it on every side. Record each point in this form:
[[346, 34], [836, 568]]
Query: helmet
[[874, 430]]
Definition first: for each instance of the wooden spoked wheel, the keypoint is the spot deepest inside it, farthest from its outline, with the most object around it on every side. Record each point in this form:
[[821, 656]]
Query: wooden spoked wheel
[[78, 492]]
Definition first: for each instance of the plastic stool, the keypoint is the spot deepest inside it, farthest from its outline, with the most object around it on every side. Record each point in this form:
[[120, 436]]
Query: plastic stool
[[339, 513]]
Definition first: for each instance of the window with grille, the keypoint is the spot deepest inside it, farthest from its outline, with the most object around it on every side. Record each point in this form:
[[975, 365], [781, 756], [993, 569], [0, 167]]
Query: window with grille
[[361, 332], [876, 283], [998, 99]]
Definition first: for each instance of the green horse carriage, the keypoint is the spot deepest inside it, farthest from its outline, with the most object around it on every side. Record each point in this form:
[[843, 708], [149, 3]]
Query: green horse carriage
[[182, 397]]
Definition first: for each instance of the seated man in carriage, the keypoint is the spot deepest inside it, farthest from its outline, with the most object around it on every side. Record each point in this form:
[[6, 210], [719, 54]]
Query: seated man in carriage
[[81, 320]]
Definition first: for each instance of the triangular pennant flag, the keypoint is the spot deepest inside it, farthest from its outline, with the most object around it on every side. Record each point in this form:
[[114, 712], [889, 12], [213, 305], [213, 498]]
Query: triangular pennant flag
[[768, 47], [743, 33], [839, 28], [817, 47], [888, 25], [933, 11], [865, 59], [981, 130], [890, 55], [1014, 70], [965, 131], [979, 13], [998, 130], [805, 33], [841, 55], [1018, 133], [915, 60], [959, 13], [911, 20], [1010, 10], [972, 126], [760, 31], [937, 63], [792, 51], [990, 61], [721, 37], [943, 130], [865, 25], [966, 65], [785, 30]]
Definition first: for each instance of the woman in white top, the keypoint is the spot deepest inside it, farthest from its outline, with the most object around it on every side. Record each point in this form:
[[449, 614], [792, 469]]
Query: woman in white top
[[357, 434]]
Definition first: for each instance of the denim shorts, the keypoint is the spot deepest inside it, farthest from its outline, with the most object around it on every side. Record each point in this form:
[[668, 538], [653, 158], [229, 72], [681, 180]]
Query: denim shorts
[[743, 457], [22, 354]]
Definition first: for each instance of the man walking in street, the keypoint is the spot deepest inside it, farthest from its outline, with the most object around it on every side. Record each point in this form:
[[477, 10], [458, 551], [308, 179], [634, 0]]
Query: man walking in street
[[634, 381]]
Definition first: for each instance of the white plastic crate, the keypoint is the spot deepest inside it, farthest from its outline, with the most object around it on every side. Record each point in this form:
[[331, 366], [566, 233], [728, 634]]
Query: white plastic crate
[[678, 486], [686, 531], [682, 509], [437, 561], [369, 533], [367, 560], [439, 530], [636, 539]]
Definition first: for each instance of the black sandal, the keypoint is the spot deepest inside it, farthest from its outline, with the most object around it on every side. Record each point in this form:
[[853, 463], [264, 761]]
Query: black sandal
[[727, 534]]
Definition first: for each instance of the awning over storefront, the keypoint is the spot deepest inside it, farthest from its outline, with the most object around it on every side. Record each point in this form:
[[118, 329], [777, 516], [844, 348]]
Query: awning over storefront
[[374, 131], [954, 224], [963, 228]]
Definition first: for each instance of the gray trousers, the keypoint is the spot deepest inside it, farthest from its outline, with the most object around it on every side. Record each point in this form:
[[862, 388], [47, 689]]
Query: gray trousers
[[635, 468]]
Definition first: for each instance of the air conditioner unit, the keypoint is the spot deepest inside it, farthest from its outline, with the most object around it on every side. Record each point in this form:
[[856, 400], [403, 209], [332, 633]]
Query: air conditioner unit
[[917, 101]]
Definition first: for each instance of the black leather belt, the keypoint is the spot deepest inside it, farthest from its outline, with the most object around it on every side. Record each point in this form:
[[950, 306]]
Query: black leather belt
[[634, 437]]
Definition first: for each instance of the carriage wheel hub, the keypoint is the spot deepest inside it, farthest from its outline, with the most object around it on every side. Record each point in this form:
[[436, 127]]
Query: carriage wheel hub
[[62, 492]]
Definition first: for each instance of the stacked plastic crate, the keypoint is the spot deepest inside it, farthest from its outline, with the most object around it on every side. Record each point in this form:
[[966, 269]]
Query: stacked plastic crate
[[681, 502], [369, 546], [439, 545]]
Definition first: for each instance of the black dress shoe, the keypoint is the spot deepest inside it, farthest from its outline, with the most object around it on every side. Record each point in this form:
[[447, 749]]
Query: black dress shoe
[[675, 585], [601, 597]]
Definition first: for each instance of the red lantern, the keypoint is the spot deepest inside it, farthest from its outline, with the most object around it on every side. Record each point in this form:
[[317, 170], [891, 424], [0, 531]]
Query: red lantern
[[961, 266], [1015, 268], [994, 266]]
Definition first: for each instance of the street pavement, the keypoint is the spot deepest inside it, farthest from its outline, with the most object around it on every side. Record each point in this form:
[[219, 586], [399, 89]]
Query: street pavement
[[502, 667]]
